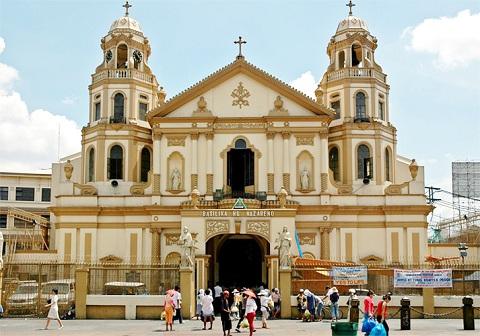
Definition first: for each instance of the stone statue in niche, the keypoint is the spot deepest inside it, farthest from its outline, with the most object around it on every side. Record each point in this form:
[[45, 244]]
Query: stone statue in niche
[[188, 247], [284, 242], [305, 179], [176, 179]]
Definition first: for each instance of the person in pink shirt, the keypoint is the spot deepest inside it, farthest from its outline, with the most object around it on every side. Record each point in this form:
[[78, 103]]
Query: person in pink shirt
[[368, 306]]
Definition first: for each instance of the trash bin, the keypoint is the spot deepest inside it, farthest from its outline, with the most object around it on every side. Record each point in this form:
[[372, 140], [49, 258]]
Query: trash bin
[[344, 328]]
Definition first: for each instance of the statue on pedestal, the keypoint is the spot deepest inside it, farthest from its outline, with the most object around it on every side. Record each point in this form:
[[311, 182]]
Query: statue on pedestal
[[284, 242], [188, 248], [176, 179], [305, 179]]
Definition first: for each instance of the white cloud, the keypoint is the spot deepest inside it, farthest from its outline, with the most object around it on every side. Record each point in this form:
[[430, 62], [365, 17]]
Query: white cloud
[[69, 100], [29, 140], [454, 41], [305, 83], [2, 45]]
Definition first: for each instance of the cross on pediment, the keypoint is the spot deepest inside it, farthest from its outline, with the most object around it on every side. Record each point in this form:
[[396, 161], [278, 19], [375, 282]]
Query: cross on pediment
[[240, 42]]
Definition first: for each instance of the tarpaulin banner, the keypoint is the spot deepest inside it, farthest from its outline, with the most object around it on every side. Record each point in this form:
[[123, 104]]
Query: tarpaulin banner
[[349, 275], [436, 278]]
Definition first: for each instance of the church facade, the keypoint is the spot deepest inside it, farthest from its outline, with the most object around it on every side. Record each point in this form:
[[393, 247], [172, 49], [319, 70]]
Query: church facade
[[236, 158]]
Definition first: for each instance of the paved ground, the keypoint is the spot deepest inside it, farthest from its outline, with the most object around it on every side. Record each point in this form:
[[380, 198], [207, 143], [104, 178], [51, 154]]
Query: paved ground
[[14, 327]]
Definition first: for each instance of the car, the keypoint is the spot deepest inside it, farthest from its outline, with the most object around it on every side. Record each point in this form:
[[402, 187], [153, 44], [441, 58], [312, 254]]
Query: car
[[66, 294], [24, 299], [125, 288]]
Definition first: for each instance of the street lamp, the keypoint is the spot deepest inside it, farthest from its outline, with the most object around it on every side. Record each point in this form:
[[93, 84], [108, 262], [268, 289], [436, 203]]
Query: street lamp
[[462, 247]]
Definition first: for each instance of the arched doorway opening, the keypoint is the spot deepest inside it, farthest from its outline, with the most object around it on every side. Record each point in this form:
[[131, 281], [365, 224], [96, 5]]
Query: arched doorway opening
[[238, 260], [240, 170]]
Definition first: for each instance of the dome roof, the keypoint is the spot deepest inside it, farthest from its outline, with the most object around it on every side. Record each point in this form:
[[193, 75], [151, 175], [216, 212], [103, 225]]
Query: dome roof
[[126, 22], [352, 22]]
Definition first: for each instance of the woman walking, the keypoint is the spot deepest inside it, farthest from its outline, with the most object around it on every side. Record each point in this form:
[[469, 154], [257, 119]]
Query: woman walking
[[250, 309], [207, 310], [382, 311], [53, 311], [225, 314], [368, 309], [276, 303], [169, 309], [264, 307], [198, 310]]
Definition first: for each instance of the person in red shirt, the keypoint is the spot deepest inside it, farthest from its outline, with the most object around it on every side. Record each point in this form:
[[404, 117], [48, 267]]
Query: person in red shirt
[[368, 306], [382, 311]]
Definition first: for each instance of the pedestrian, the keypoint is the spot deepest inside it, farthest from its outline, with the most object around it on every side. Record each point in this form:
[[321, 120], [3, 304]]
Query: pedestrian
[[198, 310], [237, 302], [225, 314], [334, 297], [243, 305], [177, 299], [310, 305], [265, 299], [250, 309], [301, 304], [169, 309], [207, 310], [217, 298], [368, 308], [382, 311], [318, 308], [276, 298], [53, 311]]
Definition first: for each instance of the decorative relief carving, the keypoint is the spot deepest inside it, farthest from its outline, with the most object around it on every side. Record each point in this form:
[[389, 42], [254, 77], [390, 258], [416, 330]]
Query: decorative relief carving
[[240, 95], [304, 140], [202, 108], [261, 228], [307, 238], [209, 184], [371, 259], [278, 107], [270, 183], [345, 189], [286, 181], [111, 259], [156, 183], [86, 189], [324, 181], [176, 140], [395, 189], [214, 227], [234, 125], [174, 237]]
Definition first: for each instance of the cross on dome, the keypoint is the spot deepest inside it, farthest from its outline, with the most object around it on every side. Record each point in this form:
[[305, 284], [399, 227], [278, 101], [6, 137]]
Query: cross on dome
[[240, 42], [350, 4], [126, 6]]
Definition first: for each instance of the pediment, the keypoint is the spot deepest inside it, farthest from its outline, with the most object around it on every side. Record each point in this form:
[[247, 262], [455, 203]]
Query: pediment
[[111, 259], [240, 90], [371, 259]]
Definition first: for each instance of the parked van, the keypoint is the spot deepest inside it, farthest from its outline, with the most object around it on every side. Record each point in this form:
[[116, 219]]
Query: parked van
[[66, 294], [24, 299]]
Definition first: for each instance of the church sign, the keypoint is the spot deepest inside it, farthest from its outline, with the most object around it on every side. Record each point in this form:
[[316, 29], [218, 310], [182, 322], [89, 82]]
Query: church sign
[[238, 213]]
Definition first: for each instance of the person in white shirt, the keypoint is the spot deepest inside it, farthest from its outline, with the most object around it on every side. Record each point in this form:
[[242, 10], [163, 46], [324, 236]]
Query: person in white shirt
[[250, 309], [177, 299], [53, 311], [200, 295], [265, 300], [207, 309], [217, 298]]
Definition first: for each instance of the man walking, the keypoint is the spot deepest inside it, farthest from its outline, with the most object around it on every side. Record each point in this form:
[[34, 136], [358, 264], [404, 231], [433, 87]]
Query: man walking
[[177, 299], [217, 299]]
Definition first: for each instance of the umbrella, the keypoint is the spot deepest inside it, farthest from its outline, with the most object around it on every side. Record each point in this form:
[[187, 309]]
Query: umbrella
[[249, 293]]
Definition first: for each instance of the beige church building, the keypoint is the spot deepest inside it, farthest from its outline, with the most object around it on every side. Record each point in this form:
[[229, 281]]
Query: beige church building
[[235, 158]]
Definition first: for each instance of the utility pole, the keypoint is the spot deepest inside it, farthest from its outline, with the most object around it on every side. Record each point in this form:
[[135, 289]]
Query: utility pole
[[431, 191]]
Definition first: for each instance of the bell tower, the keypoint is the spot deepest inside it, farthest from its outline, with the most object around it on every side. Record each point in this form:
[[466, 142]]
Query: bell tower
[[362, 142], [117, 142]]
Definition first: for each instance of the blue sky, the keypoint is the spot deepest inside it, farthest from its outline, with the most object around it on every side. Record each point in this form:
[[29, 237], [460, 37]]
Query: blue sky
[[435, 96]]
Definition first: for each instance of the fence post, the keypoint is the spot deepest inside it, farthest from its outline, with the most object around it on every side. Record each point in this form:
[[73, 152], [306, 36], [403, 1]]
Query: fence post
[[354, 309], [405, 314], [468, 313], [81, 291], [428, 302], [285, 286]]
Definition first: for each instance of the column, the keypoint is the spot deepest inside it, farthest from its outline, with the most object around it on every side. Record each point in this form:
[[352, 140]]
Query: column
[[285, 286], [270, 170], [155, 257], [209, 164], [157, 140], [324, 161], [325, 243], [272, 266], [194, 160], [188, 292], [286, 160]]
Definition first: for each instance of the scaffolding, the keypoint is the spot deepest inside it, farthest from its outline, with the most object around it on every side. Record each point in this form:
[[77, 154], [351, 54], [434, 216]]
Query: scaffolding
[[466, 186]]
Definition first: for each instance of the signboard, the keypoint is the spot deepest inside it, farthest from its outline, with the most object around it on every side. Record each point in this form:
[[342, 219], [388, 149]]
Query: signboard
[[239, 213], [349, 275], [436, 278]]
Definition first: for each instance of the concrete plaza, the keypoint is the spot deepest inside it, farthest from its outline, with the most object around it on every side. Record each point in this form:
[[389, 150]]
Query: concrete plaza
[[15, 327]]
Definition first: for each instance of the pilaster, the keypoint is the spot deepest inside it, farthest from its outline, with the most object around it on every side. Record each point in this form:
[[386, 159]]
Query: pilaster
[[188, 292]]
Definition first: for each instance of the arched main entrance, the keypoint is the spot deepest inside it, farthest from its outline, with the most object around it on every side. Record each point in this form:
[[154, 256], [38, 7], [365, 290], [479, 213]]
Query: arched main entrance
[[237, 260]]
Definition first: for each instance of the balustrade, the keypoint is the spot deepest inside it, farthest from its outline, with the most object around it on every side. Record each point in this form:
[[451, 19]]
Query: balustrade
[[123, 74]]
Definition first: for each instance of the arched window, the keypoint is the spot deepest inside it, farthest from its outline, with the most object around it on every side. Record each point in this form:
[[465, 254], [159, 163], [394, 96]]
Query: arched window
[[144, 164], [356, 55], [118, 108], [341, 59], [333, 163], [122, 53], [388, 176], [240, 144], [365, 164], [91, 165], [115, 163], [360, 107]]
